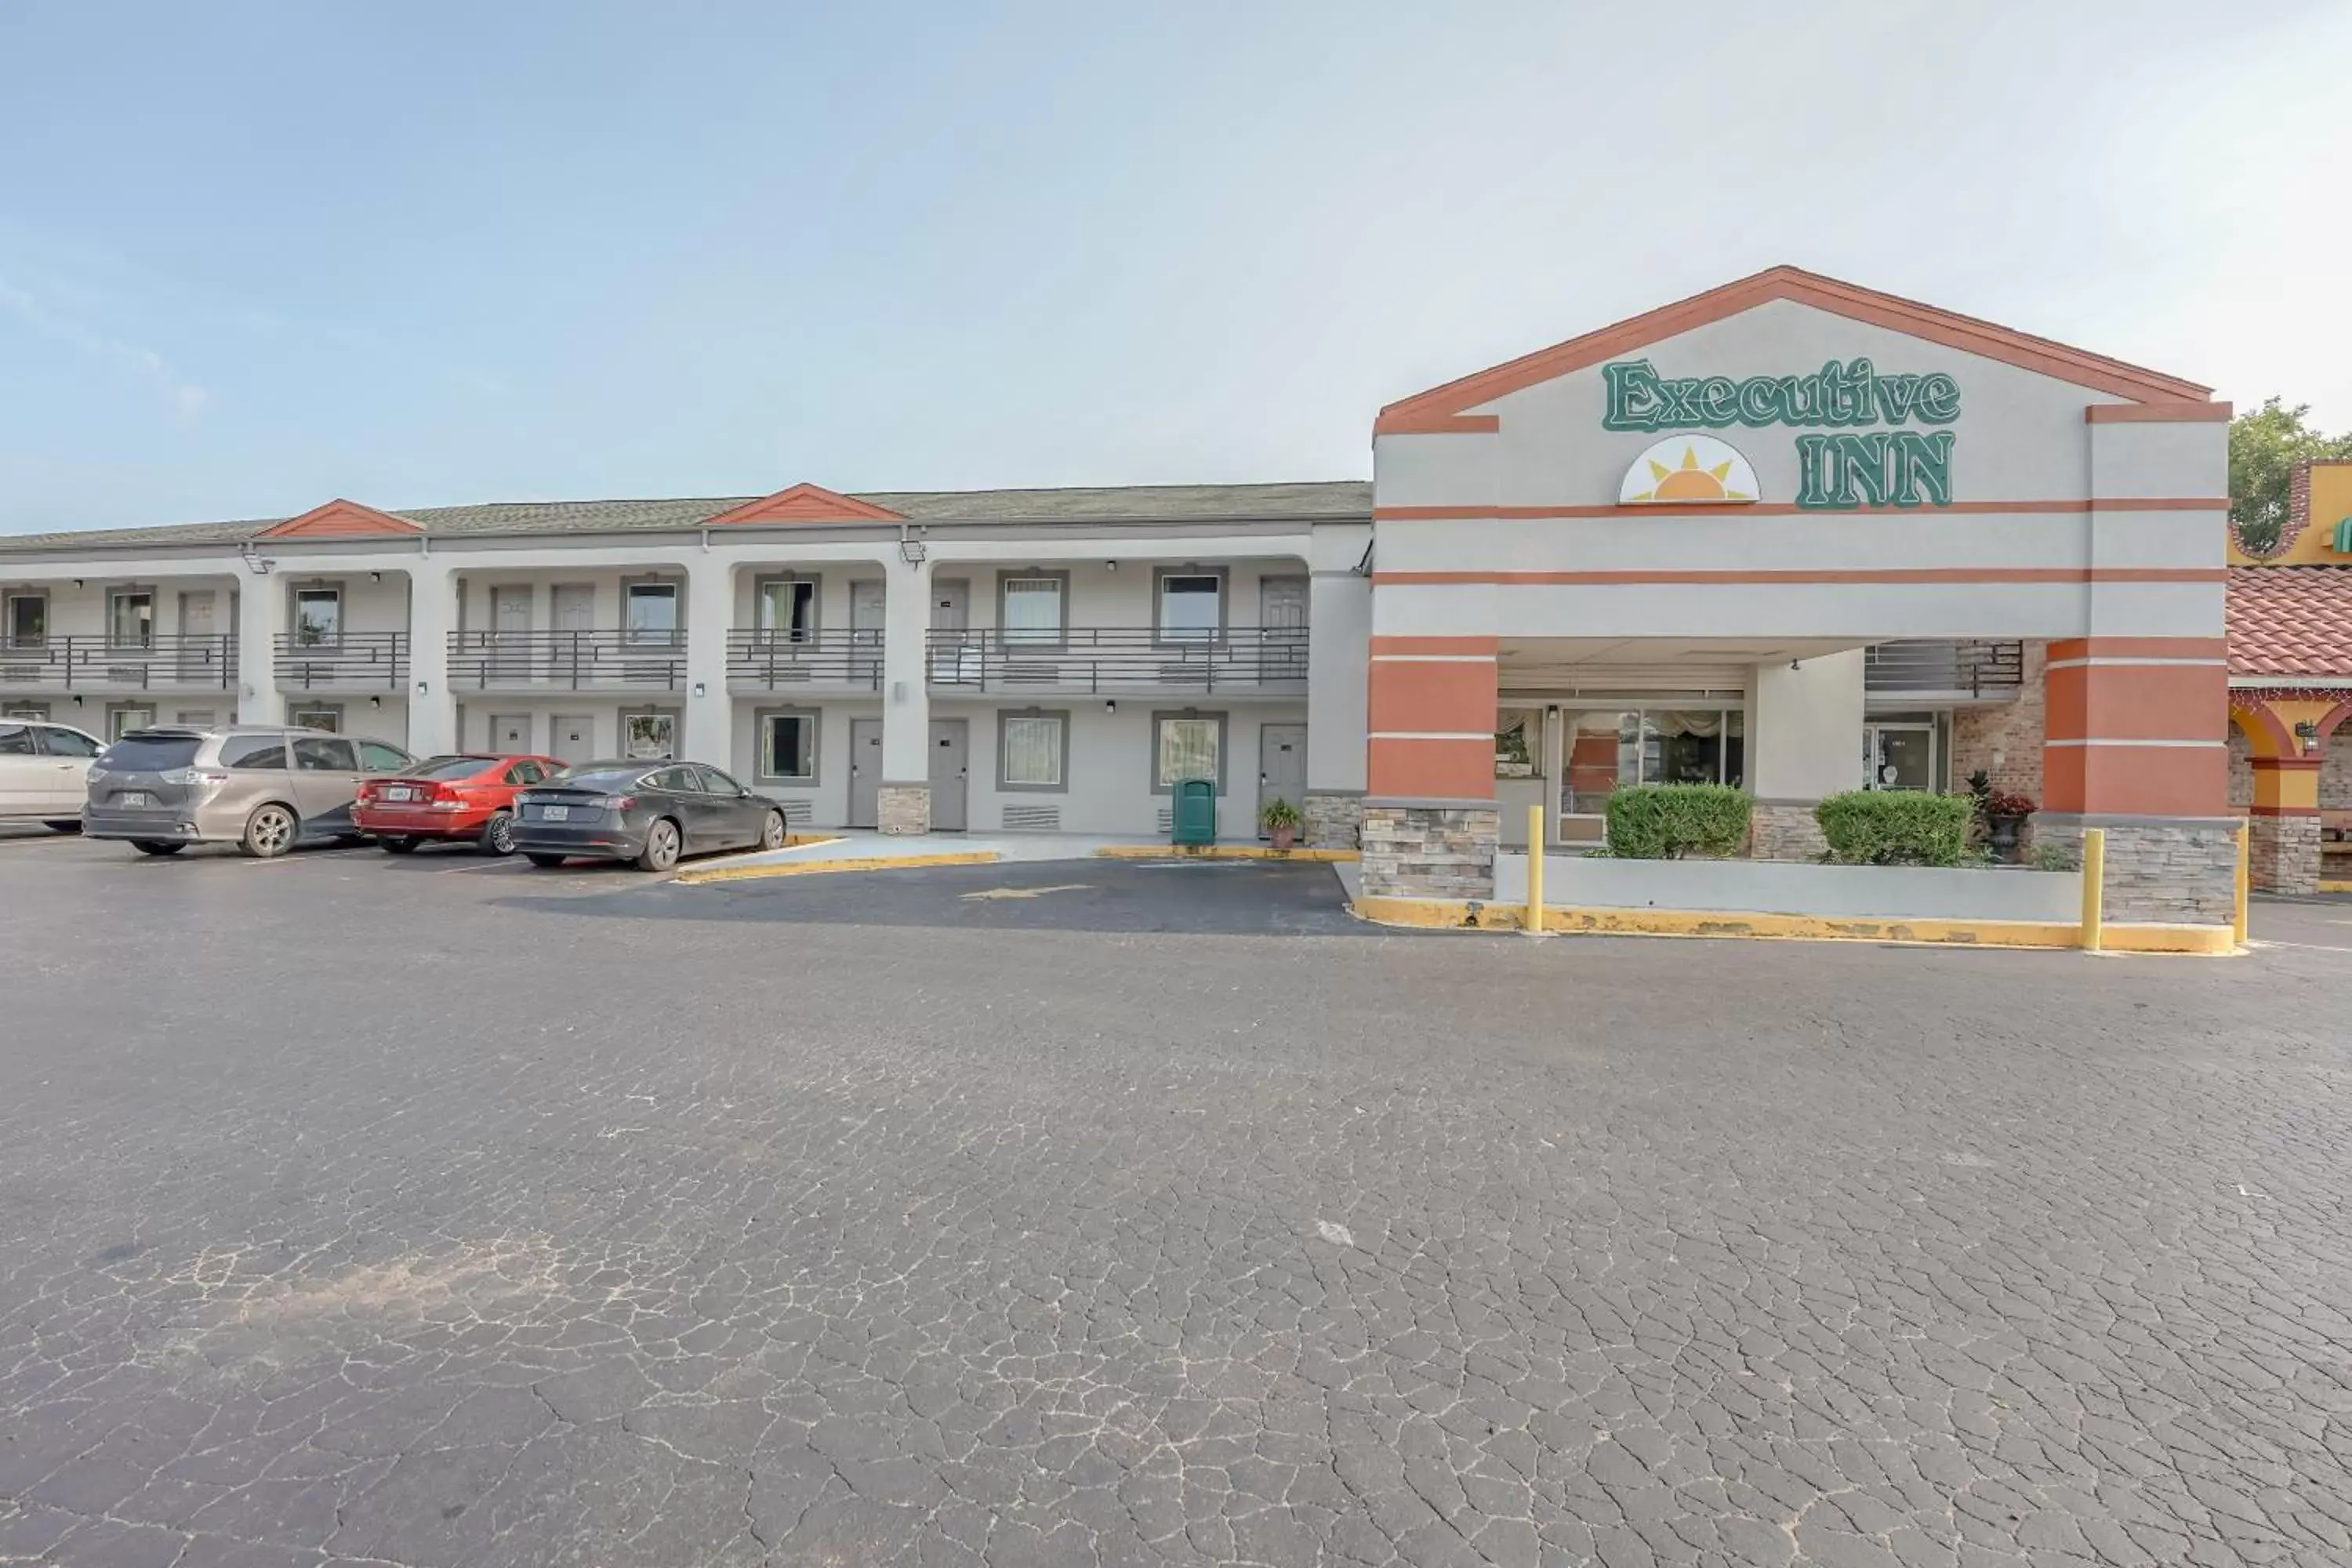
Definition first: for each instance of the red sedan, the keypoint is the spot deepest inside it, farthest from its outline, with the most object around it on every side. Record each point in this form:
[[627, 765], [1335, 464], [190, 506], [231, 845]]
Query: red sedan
[[468, 797]]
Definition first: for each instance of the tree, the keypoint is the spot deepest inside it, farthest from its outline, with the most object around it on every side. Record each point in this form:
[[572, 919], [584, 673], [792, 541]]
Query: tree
[[2266, 444]]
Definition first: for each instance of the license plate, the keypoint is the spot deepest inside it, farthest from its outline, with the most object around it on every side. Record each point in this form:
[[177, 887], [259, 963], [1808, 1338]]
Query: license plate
[[134, 797], [555, 812], [400, 795]]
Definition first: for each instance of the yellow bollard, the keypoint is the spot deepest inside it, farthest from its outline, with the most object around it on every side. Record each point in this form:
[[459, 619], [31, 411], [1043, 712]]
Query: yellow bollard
[[2094, 890], [2245, 882], [1533, 923]]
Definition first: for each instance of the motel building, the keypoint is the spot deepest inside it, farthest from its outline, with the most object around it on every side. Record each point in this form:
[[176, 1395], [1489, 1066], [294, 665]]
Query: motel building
[[1791, 534]]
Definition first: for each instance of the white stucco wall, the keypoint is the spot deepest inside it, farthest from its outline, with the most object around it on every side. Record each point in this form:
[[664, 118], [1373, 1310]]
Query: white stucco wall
[[1804, 729]]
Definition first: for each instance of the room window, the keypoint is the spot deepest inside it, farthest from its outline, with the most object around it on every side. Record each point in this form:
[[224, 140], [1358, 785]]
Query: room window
[[649, 737], [788, 608], [327, 716], [27, 622], [1518, 743], [131, 618], [318, 616], [121, 721], [1033, 751], [1031, 613], [1192, 606], [1607, 747], [788, 748], [1187, 746], [649, 614]]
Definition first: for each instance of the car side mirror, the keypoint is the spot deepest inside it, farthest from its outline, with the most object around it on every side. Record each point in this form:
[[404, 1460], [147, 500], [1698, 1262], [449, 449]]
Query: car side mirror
[[743, 793]]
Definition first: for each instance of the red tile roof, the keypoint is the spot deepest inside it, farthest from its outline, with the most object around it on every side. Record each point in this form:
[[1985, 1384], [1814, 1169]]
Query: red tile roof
[[2290, 620]]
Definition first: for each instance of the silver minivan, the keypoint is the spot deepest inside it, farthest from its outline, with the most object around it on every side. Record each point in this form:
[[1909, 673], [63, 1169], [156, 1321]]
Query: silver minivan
[[264, 788]]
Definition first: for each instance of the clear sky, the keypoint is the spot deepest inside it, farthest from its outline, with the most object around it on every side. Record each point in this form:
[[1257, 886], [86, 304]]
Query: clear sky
[[256, 255]]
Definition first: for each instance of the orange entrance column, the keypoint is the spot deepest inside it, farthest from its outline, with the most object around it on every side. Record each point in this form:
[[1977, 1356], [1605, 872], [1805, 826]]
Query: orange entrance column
[[2135, 742], [1430, 823]]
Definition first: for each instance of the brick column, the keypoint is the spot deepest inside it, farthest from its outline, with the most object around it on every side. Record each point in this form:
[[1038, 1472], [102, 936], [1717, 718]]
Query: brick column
[[1430, 824], [2135, 743], [2283, 843]]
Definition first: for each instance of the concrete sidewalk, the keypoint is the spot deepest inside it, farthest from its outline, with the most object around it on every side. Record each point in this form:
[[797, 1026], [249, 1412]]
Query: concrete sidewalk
[[865, 850]]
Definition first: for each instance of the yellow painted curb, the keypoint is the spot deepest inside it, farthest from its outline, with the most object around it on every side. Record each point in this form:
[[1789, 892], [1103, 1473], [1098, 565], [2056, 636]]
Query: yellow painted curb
[[1222, 852], [1454, 915], [2337, 884], [802, 840], [825, 867]]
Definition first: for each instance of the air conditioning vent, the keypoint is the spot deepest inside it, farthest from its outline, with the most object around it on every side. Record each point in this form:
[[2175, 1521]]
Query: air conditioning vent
[[1032, 819], [796, 812], [1167, 819]]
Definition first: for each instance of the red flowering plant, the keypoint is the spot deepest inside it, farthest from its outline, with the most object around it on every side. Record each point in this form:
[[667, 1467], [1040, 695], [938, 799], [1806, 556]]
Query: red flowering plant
[[2001, 802]]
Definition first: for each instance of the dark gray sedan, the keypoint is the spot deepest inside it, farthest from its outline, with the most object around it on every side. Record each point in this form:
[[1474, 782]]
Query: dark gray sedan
[[650, 813]]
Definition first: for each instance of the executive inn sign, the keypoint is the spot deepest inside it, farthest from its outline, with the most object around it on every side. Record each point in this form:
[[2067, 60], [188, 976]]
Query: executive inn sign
[[1881, 467]]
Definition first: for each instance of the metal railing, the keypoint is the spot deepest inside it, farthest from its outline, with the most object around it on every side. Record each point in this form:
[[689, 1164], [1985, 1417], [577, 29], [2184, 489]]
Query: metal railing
[[1093, 660], [776, 660], [568, 660], [197, 659], [1976, 668], [360, 659]]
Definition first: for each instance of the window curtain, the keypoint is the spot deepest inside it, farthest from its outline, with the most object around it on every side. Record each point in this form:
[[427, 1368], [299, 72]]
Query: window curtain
[[1033, 610], [1033, 751]]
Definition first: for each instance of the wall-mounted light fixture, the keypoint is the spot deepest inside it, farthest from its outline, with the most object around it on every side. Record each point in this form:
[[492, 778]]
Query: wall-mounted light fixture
[[423, 686], [912, 550], [1110, 565], [77, 699], [2306, 734], [375, 576], [699, 688], [77, 582], [376, 701], [1111, 706]]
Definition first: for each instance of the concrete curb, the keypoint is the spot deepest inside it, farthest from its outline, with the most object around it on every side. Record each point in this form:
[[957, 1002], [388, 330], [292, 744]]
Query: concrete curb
[[707, 874], [1223, 852], [1446, 914]]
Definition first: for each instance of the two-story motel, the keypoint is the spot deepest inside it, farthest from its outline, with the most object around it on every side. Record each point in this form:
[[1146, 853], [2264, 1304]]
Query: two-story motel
[[1791, 534]]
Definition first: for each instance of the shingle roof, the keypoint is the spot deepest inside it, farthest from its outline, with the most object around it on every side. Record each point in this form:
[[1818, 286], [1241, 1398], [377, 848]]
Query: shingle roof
[[2290, 620], [1334, 500]]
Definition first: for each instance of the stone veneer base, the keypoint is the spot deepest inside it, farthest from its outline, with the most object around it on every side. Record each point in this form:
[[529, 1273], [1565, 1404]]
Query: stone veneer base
[[1333, 821], [1785, 830], [1437, 850], [2160, 870], [2282, 853], [903, 808]]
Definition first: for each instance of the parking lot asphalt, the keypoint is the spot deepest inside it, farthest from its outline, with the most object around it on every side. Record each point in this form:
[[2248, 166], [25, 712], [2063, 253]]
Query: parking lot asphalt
[[442, 1211]]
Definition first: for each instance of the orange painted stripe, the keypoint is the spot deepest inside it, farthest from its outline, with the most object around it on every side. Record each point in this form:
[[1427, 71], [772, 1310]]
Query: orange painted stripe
[[1432, 697], [1480, 511], [1703, 578], [2137, 702], [1464, 647], [2137, 781], [2140, 647], [2156, 414], [1430, 770]]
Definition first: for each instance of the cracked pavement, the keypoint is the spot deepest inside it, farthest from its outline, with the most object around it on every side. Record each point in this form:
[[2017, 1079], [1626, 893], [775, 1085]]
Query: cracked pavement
[[453, 1213]]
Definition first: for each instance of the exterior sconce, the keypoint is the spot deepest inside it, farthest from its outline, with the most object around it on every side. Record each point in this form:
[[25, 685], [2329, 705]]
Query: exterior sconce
[[77, 699], [77, 582], [699, 690], [423, 686], [1111, 706], [375, 576], [912, 550], [1110, 565], [2306, 734], [376, 701]]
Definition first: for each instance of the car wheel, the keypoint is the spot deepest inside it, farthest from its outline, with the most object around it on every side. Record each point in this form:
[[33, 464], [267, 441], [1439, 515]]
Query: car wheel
[[157, 846], [398, 846], [269, 831], [661, 846], [498, 835], [63, 825], [772, 831], [546, 862]]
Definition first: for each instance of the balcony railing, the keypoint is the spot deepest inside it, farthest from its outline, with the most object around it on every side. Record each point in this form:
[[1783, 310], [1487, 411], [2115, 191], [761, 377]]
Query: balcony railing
[[198, 659], [1966, 666], [773, 660], [570, 661], [361, 661], [1089, 660]]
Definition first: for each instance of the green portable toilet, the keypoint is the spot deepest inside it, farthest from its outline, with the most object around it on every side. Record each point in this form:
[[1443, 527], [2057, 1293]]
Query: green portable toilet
[[1193, 815]]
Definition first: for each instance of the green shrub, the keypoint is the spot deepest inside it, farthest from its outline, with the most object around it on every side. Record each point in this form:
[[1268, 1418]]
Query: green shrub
[[1895, 828], [1666, 822]]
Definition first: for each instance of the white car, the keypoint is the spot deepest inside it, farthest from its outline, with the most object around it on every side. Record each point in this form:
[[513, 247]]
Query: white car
[[45, 772]]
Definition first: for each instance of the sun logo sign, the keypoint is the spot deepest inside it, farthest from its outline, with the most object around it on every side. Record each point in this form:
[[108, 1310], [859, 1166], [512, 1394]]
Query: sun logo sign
[[1688, 471]]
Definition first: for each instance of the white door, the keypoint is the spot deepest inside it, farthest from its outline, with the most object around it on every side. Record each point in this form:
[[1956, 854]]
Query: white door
[[951, 618], [575, 624], [200, 656], [571, 738], [1281, 768], [1282, 619], [950, 741], [868, 608], [510, 625], [864, 771], [510, 733]]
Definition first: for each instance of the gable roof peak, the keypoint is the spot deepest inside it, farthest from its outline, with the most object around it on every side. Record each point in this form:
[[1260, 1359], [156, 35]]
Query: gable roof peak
[[806, 502], [342, 519]]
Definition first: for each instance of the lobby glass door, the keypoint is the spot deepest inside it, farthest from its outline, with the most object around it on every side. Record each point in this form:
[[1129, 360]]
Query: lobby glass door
[[1898, 756]]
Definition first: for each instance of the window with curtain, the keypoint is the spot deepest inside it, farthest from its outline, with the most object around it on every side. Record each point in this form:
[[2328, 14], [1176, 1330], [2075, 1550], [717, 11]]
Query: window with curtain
[[1032, 611], [1187, 750], [788, 609], [1192, 606], [1518, 743], [28, 620], [1608, 747], [650, 612], [788, 747], [130, 620], [318, 616], [1032, 751]]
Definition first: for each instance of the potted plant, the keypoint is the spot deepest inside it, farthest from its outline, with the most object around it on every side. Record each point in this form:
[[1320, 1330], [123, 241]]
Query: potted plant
[[2004, 814], [1280, 820]]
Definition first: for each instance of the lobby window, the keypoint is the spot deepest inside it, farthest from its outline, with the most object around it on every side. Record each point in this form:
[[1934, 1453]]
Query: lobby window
[[1187, 746], [788, 608], [1518, 743], [131, 618], [1192, 606], [1031, 610], [788, 747], [1608, 747], [1033, 751], [318, 616], [28, 622]]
